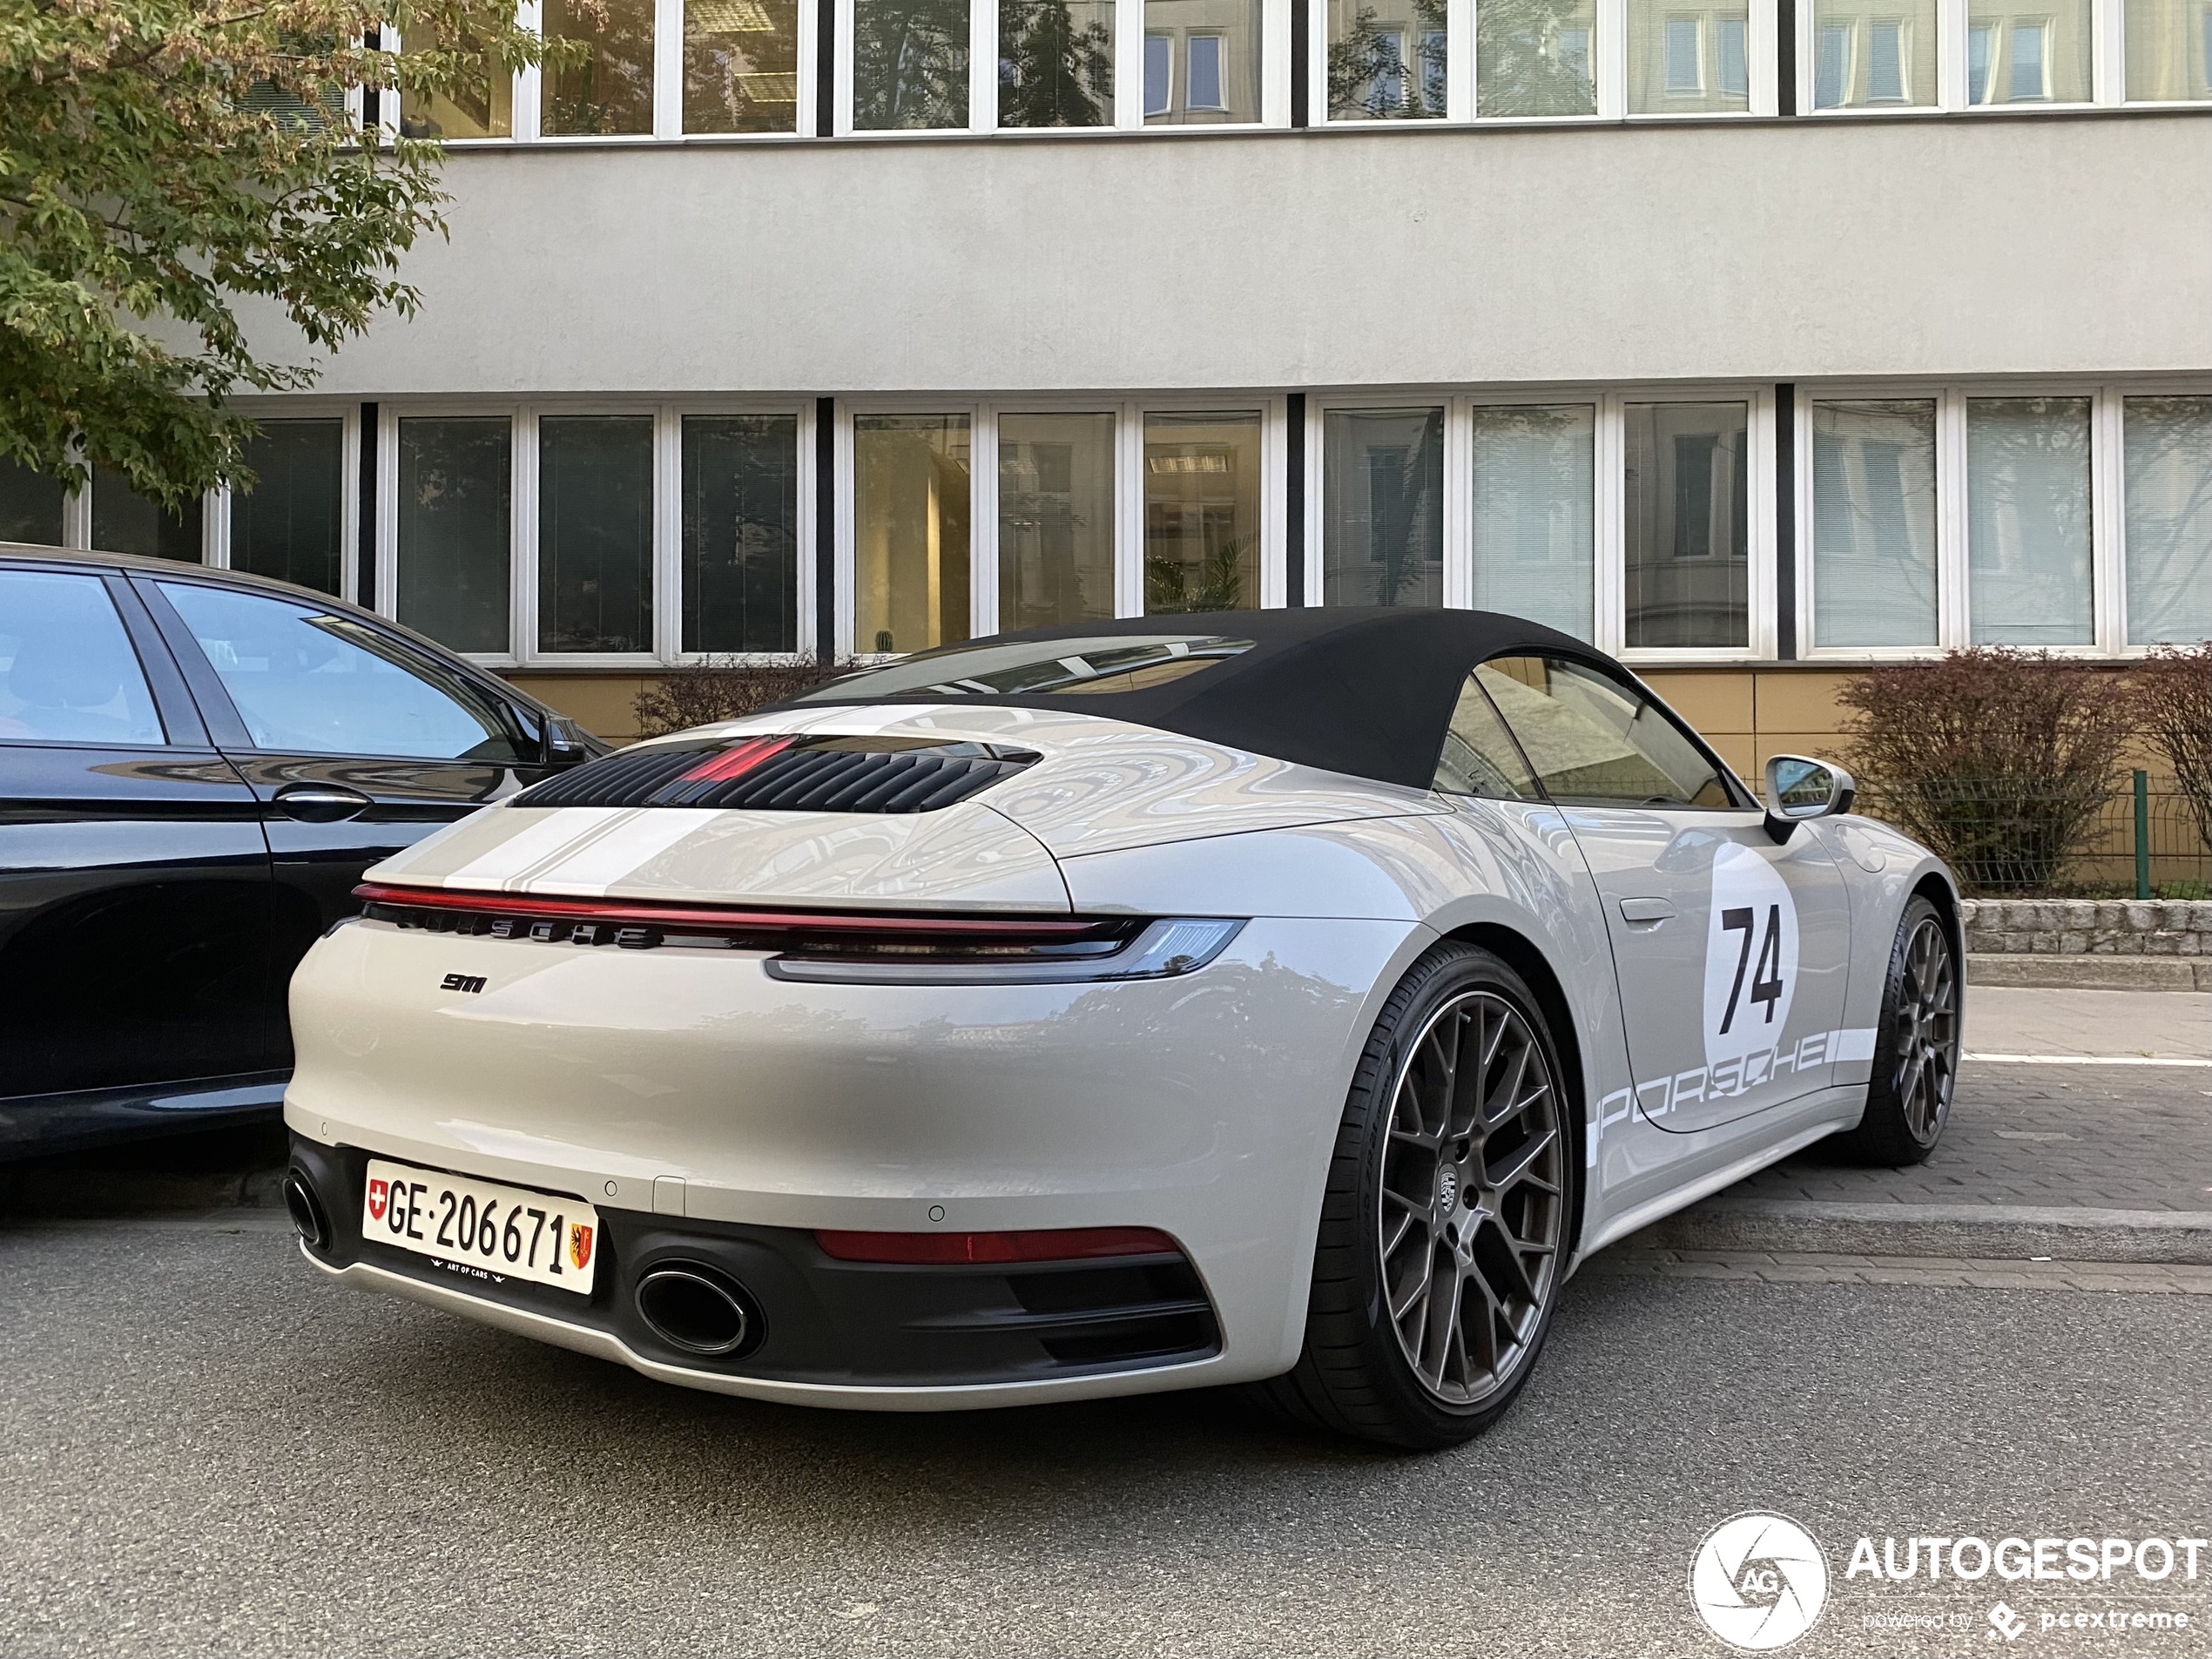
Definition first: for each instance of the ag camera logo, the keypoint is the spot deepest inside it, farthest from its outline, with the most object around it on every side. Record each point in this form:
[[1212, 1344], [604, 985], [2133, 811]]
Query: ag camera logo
[[1759, 1581]]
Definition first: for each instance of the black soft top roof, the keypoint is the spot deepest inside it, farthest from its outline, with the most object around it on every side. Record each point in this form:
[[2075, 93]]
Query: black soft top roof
[[1368, 692]]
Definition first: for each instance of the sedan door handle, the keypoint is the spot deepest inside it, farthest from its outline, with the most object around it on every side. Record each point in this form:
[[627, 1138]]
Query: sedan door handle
[[1651, 910], [321, 803]]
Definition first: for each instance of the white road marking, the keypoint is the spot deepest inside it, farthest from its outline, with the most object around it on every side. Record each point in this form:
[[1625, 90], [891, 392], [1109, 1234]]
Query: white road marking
[[2088, 1059]]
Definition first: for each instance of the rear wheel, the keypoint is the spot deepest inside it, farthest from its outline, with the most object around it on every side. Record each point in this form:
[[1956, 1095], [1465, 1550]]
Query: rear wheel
[[1916, 1044], [1445, 1220]]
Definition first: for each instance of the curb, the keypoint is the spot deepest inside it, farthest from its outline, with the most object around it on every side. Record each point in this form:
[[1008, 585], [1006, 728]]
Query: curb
[[1973, 1230], [2055, 973]]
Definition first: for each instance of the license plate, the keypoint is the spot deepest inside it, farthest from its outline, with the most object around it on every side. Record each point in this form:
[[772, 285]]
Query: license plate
[[481, 1229]]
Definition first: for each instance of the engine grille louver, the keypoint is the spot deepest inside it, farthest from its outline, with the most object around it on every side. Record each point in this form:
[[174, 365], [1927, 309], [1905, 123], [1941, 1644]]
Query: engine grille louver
[[777, 774]]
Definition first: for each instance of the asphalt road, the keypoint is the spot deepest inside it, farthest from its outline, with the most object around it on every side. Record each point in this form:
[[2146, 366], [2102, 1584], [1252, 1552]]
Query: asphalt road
[[205, 1448]]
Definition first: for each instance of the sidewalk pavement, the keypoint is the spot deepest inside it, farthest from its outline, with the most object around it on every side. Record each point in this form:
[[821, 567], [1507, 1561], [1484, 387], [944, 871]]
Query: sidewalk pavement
[[2090, 1140]]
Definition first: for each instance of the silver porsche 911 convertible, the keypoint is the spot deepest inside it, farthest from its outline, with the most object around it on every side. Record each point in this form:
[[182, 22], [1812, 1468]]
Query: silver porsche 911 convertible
[[1288, 998]]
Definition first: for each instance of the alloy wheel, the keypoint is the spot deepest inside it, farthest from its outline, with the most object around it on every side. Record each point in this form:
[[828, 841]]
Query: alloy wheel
[[1927, 1031], [1471, 1210]]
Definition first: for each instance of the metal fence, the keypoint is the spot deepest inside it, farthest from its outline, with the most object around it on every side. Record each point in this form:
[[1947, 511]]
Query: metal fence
[[2138, 836]]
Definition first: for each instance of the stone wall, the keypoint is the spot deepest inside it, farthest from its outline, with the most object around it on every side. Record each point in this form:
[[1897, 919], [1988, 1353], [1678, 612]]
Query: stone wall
[[2095, 943]]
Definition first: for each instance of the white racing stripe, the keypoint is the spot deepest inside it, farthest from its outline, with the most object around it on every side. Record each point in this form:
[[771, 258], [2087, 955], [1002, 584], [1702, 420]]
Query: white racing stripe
[[2088, 1059], [505, 864]]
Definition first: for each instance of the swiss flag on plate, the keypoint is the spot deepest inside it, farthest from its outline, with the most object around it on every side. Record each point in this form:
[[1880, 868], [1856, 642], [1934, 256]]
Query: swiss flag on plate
[[377, 1193]]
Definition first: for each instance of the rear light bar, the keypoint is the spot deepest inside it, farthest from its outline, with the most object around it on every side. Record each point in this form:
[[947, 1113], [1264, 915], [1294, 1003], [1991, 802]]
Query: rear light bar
[[941, 1250], [827, 946]]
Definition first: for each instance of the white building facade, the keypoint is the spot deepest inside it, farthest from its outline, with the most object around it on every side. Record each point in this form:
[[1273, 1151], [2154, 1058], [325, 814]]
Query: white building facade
[[1740, 339]]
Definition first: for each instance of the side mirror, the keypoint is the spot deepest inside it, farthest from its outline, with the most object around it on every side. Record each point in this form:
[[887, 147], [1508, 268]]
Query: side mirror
[[564, 744], [1798, 788]]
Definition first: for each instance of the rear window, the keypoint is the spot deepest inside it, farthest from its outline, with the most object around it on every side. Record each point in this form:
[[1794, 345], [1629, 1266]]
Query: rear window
[[1039, 668]]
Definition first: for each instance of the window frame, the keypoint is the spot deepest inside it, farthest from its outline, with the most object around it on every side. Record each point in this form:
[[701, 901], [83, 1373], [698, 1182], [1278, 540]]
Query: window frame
[[665, 563], [1128, 413], [1128, 49], [1608, 626], [348, 414], [1954, 622], [1609, 60], [2107, 85]]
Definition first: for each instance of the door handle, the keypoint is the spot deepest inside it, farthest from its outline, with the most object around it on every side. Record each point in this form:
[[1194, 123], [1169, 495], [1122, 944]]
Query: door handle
[[1646, 910], [321, 803]]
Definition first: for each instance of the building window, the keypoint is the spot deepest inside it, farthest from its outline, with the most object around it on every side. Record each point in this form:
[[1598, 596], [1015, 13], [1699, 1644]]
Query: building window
[[453, 530], [1736, 60], [1687, 63], [1534, 518], [740, 65], [1874, 523], [610, 92], [2169, 511], [1056, 63], [2169, 50], [31, 505], [1370, 78], [595, 533], [1873, 59], [1687, 526], [1159, 75], [1533, 57], [483, 109], [1055, 519], [2028, 521], [739, 568], [1206, 82], [1201, 511], [1382, 507], [292, 523], [911, 494], [1683, 77], [2040, 58], [125, 521], [1885, 81], [910, 65]]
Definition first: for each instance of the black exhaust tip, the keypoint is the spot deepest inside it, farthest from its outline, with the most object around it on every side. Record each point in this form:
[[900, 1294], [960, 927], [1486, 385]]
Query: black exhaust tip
[[698, 1309], [306, 1210]]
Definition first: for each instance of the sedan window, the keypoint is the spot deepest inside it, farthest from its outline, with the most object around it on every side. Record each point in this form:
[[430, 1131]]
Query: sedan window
[[67, 672], [1595, 743], [309, 682]]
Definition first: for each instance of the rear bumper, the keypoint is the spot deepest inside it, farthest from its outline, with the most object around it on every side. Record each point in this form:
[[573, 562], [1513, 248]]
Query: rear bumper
[[816, 1322], [693, 1099]]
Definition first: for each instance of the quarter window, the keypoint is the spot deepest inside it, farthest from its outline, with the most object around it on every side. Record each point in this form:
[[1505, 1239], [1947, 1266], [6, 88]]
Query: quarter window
[[68, 673], [1479, 756]]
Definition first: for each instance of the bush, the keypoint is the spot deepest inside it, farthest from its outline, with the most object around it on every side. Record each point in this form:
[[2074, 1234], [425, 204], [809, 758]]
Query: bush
[[2172, 693], [2000, 760], [723, 688]]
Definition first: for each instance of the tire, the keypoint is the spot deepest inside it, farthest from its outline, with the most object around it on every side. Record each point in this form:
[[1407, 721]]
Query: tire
[[1916, 1044], [1455, 1198]]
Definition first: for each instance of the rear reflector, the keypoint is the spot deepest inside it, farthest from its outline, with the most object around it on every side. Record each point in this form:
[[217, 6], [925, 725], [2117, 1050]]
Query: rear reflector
[[938, 1250]]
